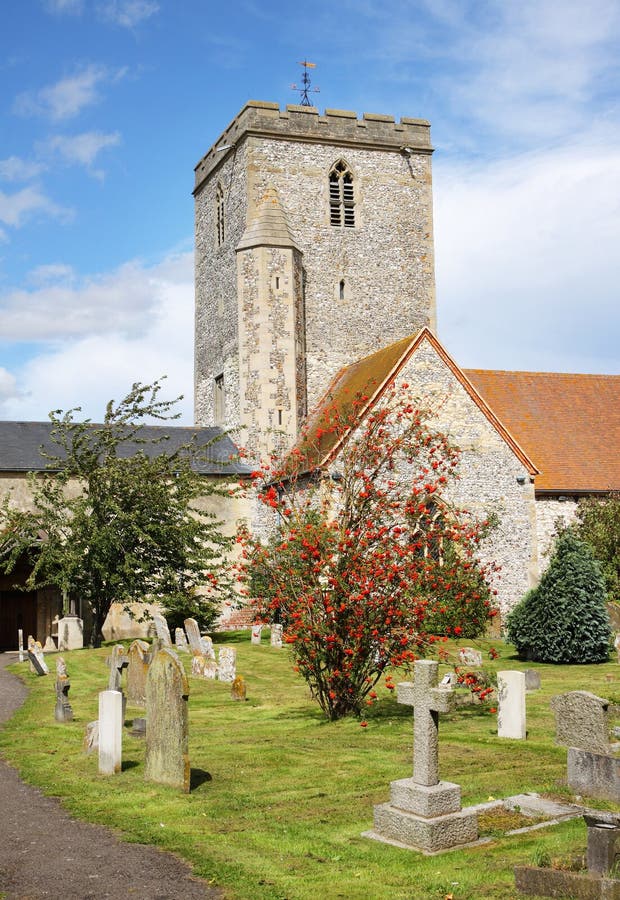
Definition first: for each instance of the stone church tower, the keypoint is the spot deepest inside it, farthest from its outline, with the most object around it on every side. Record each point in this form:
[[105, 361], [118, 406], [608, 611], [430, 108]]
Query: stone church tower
[[314, 247]]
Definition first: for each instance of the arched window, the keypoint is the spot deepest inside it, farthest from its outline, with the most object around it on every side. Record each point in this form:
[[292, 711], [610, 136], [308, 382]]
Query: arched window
[[341, 196], [219, 205]]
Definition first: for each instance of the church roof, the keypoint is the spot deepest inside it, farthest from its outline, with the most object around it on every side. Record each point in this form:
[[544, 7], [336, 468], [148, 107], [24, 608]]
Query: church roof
[[568, 424], [21, 442], [269, 227], [366, 380], [565, 429]]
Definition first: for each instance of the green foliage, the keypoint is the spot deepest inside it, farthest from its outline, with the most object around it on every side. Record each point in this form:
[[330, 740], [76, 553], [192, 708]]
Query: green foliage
[[564, 619], [599, 524], [181, 605], [108, 527]]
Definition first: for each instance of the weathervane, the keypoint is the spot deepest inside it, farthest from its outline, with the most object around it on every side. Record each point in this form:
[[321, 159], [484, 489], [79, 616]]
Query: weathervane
[[305, 89]]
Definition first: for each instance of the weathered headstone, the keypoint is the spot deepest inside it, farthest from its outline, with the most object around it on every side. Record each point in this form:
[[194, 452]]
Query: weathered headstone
[[238, 690], [257, 631], [511, 721], [227, 664], [162, 630], [167, 693], [49, 646], [91, 737], [63, 711], [617, 646], [37, 661], [110, 732], [203, 655], [70, 633], [532, 679], [180, 641], [582, 720], [470, 657], [116, 663], [276, 635], [20, 644], [138, 657], [425, 813]]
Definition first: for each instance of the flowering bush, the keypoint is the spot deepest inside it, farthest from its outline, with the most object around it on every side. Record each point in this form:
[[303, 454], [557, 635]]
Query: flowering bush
[[362, 560]]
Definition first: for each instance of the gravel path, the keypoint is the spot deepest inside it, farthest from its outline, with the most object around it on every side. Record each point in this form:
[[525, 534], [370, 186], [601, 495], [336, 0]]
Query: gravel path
[[46, 853]]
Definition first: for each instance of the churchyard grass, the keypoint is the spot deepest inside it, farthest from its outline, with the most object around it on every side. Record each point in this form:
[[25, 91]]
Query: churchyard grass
[[280, 795]]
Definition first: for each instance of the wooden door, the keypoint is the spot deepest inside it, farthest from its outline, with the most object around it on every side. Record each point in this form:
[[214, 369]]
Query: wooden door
[[18, 609]]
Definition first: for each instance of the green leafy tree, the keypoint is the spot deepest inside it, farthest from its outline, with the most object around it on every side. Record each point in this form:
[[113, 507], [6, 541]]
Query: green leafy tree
[[358, 568], [116, 518], [564, 619], [598, 523]]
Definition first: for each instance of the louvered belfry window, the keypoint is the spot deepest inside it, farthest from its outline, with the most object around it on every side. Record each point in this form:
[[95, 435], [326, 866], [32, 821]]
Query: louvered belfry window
[[219, 204], [341, 196]]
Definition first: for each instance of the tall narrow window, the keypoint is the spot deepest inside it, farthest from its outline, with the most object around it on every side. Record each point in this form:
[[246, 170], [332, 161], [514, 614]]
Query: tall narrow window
[[219, 400], [341, 289], [341, 196], [219, 205]]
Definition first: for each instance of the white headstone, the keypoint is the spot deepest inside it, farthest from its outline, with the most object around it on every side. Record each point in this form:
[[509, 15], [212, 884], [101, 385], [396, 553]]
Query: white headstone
[[227, 664], [468, 656], [70, 633], [110, 732], [511, 705], [20, 644], [162, 630], [180, 641], [276, 635], [256, 633]]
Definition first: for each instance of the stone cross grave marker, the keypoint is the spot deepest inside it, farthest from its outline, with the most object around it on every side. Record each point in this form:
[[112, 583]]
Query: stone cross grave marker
[[180, 641], [167, 731], [256, 634], [425, 813], [63, 711], [37, 660], [428, 700], [227, 664], [276, 635], [511, 722], [162, 630], [138, 657]]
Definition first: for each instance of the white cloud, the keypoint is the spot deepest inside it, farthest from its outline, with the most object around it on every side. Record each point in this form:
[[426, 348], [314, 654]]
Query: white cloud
[[91, 367], [28, 203], [69, 96], [54, 272], [527, 260], [127, 13], [8, 387], [83, 149], [16, 169]]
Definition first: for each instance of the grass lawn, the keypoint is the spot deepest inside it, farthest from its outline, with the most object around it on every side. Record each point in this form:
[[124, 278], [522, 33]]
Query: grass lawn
[[280, 795]]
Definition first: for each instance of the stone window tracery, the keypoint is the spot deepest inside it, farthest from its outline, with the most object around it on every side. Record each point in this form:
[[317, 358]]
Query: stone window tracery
[[341, 196], [219, 206]]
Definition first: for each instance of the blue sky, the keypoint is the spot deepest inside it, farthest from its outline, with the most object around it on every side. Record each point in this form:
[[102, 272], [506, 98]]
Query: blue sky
[[107, 105]]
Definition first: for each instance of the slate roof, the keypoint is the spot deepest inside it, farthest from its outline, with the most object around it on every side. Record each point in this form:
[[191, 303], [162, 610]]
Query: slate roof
[[20, 443], [568, 424]]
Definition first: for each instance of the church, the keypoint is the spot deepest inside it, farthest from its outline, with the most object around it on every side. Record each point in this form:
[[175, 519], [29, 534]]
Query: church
[[314, 272]]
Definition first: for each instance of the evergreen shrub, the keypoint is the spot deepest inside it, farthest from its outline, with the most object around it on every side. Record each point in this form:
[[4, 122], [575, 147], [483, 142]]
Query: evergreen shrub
[[564, 619]]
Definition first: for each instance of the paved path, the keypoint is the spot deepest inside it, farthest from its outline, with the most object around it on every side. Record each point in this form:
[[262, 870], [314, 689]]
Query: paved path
[[46, 853]]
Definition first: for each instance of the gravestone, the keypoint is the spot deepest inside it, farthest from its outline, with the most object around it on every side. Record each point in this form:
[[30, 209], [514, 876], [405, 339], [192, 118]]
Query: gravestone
[[617, 646], [238, 690], [162, 630], [116, 663], [91, 737], [276, 635], [511, 721], [257, 631], [203, 655], [20, 644], [49, 646], [63, 711], [583, 725], [110, 732], [227, 664], [532, 680], [38, 666], [180, 641], [70, 633], [582, 720], [470, 657], [167, 693], [425, 813], [138, 657]]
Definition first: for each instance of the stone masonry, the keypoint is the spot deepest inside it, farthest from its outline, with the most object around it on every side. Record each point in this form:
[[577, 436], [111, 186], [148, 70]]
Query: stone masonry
[[361, 286]]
